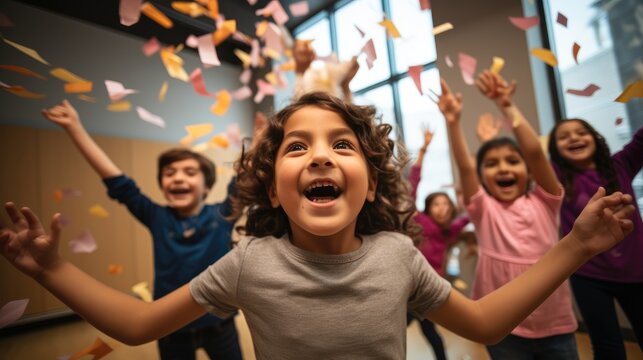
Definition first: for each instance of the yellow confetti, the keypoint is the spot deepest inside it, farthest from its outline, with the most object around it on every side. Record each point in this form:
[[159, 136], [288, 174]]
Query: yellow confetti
[[30, 52], [498, 64], [261, 28], [143, 291], [186, 140], [442, 28], [120, 106], [174, 64], [200, 147], [223, 103], [198, 130], [272, 78], [243, 56], [460, 284], [163, 91], [288, 66], [66, 76], [87, 98], [220, 141], [155, 14], [390, 28], [78, 87], [98, 211], [545, 55], [634, 89]]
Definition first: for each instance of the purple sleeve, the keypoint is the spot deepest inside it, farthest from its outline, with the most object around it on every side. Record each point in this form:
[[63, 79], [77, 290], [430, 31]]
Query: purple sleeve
[[458, 224], [414, 179], [630, 157]]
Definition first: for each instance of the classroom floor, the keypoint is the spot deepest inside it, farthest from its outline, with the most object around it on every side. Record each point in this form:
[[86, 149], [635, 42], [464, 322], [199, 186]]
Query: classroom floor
[[65, 338]]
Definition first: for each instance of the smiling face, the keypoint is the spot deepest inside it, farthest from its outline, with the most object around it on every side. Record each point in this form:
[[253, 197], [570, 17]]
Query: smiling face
[[504, 173], [321, 176], [576, 144], [441, 210], [183, 185]]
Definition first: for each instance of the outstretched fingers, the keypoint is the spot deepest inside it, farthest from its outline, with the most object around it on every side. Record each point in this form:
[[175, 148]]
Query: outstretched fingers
[[18, 221]]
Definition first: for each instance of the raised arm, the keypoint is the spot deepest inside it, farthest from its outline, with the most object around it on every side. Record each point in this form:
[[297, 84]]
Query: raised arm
[[451, 107], [65, 116], [602, 224], [428, 136], [494, 87], [119, 315], [346, 81], [488, 127]]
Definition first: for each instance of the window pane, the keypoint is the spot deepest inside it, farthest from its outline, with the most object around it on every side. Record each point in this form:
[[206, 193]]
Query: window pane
[[382, 99], [418, 113], [364, 14], [320, 32], [608, 57], [417, 44]]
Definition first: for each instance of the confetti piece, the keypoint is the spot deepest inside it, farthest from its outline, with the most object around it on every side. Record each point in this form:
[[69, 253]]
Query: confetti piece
[[371, 55], [239, 36], [201, 147], [223, 103], [275, 9], [243, 56], [149, 117], [299, 8], [588, 91], [117, 91], [618, 121], [448, 61], [120, 106], [198, 130], [163, 91], [442, 28], [189, 8], [391, 30], [220, 141], [151, 46], [545, 55], [467, 65], [207, 52], [58, 195], [242, 93], [497, 65], [98, 211], [192, 41], [213, 7], [12, 311], [561, 19], [575, 50], [22, 71], [143, 291], [115, 269], [66, 75], [234, 134], [99, 349], [156, 15], [173, 64], [83, 243], [634, 89], [79, 87], [23, 92], [129, 11], [263, 88], [460, 284], [28, 51], [425, 5], [226, 29], [415, 73], [196, 79], [524, 23], [87, 98]]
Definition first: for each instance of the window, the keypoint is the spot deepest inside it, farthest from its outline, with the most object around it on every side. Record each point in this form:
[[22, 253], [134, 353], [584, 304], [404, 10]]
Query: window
[[347, 26], [610, 37]]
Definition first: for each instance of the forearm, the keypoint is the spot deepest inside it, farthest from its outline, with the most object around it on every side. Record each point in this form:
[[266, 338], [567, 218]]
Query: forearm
[[119, 315], [94, 155], [463, 161]]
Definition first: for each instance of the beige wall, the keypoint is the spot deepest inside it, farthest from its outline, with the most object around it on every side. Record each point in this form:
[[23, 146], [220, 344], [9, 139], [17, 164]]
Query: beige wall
[[36, 162]]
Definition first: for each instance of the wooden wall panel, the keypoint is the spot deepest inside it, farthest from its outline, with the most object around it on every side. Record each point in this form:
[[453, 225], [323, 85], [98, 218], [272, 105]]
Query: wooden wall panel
[[19, 182]]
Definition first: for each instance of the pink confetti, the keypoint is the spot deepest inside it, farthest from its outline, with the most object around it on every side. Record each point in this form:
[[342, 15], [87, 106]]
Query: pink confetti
[[254, 53], [242, 93], [275, 9], [83, 243], [245, 76], [129, 11], [619, 121], [207, 52], [415, 73], [448, 61], [524, 23], [299, 8], [587, 91], [151, 46], [117, 91], [12, 311], [263, 88], [467, 65], [371, 55], [196, 78], [149, 117], [272, 37], [234, 134], [192, 41], [561, 19]]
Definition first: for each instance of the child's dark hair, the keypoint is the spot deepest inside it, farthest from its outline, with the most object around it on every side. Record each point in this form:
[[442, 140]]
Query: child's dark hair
[[602, 159], [492, 144], [393, 207], [173, 155], [431, 198]]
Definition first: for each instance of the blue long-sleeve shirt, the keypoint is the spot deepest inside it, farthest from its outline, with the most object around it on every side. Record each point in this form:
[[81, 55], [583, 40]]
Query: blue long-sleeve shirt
[[177, 259]]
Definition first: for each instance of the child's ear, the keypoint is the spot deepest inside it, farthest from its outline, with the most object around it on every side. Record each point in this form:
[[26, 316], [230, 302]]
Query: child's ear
[[274, 199], [372, 188]]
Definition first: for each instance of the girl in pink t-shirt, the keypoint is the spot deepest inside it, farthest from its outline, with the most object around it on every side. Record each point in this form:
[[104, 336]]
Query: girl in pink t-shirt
[[516, 224]]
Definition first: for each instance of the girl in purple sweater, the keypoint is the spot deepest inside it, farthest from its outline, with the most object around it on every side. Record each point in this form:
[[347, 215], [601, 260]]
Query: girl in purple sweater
[[582, 161], [440, 229]]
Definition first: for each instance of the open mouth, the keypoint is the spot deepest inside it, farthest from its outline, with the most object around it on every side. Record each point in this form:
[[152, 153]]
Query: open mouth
[[179, 191], [506, 183], [322, 192], [576, 147]]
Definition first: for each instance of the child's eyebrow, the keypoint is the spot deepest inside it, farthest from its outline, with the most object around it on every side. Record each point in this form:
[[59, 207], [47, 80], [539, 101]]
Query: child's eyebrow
[[307, 135]]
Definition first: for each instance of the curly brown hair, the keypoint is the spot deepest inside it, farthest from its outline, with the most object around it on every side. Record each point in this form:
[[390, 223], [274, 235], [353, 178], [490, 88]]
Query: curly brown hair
[[393, 207]]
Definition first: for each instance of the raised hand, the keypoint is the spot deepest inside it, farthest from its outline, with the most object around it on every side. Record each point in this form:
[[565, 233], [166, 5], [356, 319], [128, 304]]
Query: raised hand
[[428, 136], [494, 87], [450, 105], [603, 222], [352, 70], [488, 127], [28, 247], [304, 55], [63, 114]]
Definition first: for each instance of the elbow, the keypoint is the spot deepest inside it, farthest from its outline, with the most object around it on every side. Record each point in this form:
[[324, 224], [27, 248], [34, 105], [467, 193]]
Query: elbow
[[490, 339]]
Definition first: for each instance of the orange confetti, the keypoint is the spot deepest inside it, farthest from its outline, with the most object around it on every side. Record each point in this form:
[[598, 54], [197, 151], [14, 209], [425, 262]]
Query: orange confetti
[[58, 195], [163, 91], [220, 141], [174, 64], [223, 103], [261, 28], [213, 6], [22, 92], [189, 8], [288, 66], [78, 87], [115, 269], [390, 28], [634, 89], [98, 211], [22, 71], [66, 76], [198, 130], [120, 106], [186, 140], [575, 50], [99, 349], [155, 14], [224, 31], [545, 55]]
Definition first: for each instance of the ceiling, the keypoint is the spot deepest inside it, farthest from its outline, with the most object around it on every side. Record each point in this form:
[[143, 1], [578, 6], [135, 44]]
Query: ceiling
[[105, 13]]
